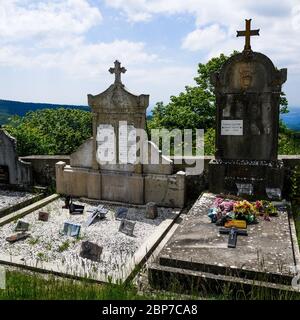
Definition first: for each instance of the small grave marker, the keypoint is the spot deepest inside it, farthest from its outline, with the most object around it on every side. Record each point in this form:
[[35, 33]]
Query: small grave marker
[[18, 237], [99, 212], [273, 193], [121, 213], [71, 229], [22, 226], [43, 216], [127, 227], [244, 189], [91, 251], [151, 210]]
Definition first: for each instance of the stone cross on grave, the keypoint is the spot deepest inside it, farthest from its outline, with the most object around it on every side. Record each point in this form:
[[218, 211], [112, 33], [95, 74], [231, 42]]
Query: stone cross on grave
[[117, 70], [247, 34]]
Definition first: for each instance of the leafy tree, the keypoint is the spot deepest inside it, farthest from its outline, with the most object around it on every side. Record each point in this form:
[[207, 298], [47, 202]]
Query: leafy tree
[[50, 131]]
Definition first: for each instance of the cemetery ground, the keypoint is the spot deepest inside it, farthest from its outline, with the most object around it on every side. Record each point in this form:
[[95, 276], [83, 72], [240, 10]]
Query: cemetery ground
[[28, 284]]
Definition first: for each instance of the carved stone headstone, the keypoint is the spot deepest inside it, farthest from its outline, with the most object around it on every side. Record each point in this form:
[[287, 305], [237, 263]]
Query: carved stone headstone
[[91, 251], [247, 89]]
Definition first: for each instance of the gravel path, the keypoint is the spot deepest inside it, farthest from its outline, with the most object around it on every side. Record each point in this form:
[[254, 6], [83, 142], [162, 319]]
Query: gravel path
[[47, 244], [10, 198]]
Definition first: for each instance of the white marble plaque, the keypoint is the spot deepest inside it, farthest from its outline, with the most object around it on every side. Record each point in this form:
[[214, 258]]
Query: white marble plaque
[[231, 127]]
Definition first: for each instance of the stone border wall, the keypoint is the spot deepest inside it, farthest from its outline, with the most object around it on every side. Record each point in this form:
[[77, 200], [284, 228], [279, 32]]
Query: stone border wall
[[44, 171]]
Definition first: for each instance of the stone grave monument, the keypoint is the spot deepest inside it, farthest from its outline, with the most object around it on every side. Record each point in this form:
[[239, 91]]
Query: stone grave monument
[[247, 89], [126, 180], [13, 171], [202, 255]]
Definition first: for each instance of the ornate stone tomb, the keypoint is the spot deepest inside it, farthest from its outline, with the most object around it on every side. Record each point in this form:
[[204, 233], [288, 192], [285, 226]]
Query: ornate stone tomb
[[247, 90], [118, 117]]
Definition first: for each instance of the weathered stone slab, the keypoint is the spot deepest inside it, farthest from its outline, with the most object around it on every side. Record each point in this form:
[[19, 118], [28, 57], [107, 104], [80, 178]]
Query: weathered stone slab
[[265, 254]]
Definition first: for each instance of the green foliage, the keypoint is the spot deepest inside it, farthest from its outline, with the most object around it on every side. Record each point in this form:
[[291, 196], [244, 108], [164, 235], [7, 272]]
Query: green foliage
[[64, 246], [209, 142], [50, 131], [194, 108], [288, 143]]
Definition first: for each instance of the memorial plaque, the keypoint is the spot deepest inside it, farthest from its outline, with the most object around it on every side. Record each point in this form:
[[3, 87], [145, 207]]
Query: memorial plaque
[[231, 127], [244, 189], [22, 226], [127, 227], [91, 251], [273, 193], [71, 229]]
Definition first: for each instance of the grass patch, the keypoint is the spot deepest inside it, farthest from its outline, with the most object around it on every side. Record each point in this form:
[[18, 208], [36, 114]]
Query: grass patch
[[23, 286], [64, 246]]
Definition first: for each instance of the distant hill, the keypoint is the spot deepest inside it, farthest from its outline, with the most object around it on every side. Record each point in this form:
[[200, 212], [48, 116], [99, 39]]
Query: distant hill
[[9, 108], [292, 119]]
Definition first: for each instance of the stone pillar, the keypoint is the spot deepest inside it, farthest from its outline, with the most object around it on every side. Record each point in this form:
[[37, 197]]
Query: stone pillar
[[59, 169]]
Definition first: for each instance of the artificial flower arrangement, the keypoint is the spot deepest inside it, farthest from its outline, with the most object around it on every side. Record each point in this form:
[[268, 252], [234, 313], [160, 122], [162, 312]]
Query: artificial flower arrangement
[[223, 210]]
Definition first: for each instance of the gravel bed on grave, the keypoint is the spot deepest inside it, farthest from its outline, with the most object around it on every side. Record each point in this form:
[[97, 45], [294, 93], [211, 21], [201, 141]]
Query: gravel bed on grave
[[47, 244], [9, 198]]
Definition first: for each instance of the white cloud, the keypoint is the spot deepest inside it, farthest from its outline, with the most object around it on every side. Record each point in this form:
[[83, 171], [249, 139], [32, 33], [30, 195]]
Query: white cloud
[[204, 39], [52, 34], [216, 22], [21, 19]]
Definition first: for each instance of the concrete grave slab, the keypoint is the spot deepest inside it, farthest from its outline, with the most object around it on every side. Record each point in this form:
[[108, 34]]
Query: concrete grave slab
[[266, 254]]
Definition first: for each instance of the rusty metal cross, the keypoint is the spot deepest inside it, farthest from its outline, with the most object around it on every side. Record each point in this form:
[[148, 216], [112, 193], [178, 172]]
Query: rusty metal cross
[[247, 34], [117, 70]]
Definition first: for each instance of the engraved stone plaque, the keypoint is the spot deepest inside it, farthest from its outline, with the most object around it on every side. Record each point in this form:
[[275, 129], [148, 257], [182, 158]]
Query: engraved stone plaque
[[232, 127]]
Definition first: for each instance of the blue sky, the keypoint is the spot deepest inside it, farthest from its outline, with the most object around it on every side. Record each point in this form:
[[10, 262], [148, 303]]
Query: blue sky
[[59, 51]]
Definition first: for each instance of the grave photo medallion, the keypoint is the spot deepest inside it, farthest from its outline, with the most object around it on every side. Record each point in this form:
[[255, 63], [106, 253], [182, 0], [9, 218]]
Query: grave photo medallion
[[127, 227]]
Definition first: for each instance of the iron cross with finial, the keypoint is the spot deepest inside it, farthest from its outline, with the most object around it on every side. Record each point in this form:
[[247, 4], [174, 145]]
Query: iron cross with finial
[[117, 70], [247, 34]]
